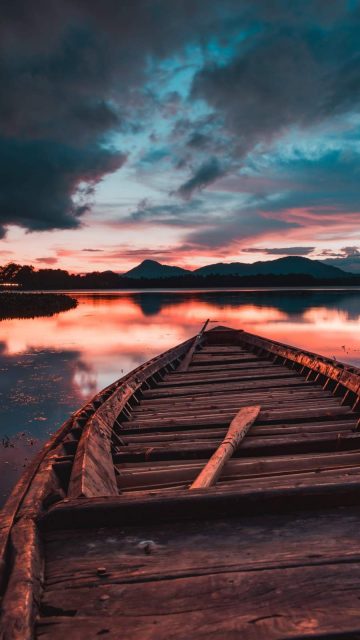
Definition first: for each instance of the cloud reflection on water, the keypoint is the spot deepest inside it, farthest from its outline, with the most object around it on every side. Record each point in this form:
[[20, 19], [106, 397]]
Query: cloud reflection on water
[[50, 366]]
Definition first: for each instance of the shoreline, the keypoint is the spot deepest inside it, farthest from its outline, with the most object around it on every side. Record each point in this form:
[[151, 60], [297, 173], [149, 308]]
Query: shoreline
[[23, 304]]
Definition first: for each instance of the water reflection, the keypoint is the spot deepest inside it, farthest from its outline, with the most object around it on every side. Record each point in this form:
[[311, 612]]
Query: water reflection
[[50, 366]]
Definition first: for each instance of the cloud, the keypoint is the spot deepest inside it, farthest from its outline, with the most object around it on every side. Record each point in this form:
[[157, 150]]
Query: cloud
[[350, 252], [281, 251], [206, 174], [345, 252], [92, 250], [45, 260], [289, 73], [347, 258], [237, 227], [212, 87], [170, 213], [40, 180], [72, 74]]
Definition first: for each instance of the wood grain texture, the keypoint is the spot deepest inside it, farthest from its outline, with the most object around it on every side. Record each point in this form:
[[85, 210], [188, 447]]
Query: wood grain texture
[[237, 431], [250, 578], [348, 375], [21, 600], [93, 471], [184, 364]]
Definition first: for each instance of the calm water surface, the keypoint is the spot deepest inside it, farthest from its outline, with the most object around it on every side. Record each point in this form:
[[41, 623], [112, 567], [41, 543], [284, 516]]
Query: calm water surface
[[51, 366]]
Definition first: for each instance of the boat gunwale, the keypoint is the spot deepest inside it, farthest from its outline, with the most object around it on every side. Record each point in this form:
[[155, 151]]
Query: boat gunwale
[[340, 372], [14, 502]]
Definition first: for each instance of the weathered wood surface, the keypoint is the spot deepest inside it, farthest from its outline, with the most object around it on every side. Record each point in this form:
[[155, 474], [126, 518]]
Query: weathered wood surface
[[340, 488], [237, 431], [297, 579], [249, 578], [213, 401], [144, 417], [148, 475], [184, 364], [273, 383], [217, 432], [93, 471], [348, 375]]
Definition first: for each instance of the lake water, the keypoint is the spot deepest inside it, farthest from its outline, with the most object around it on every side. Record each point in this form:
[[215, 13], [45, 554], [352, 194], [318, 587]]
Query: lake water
[[51, 366]]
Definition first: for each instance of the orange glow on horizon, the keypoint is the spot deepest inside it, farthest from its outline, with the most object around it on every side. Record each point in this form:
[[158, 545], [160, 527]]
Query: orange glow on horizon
[[115, 333]]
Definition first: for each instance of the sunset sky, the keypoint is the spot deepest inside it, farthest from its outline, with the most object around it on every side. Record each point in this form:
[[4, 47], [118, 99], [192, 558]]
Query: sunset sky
[[187, 131]]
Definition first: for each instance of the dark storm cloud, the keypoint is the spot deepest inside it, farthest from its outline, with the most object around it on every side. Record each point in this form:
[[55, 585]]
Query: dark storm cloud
[[205, 174], [236, 227], [73, 72], [38, 179], [301, 66], [67, 72]]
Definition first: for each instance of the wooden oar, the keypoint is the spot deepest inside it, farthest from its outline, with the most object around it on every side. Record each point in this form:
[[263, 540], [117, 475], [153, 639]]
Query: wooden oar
[[237, 431], [184, 365]]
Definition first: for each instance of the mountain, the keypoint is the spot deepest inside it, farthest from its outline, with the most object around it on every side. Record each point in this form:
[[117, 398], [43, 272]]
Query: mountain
[[351, 264], [149, 269], [291, 265]]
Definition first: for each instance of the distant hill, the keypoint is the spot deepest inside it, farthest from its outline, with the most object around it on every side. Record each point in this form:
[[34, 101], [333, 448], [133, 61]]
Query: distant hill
[[150, 269], [350, 264], [290, 265], [291, 272]]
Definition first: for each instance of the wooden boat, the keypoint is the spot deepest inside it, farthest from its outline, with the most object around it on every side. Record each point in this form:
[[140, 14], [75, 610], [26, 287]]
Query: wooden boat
[[106, 536]]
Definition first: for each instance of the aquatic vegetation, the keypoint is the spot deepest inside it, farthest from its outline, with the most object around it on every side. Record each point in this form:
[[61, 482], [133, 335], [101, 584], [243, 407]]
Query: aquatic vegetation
[[31, 305]]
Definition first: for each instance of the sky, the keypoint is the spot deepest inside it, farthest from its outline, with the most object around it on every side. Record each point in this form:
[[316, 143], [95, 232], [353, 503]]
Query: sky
[[186, 131]]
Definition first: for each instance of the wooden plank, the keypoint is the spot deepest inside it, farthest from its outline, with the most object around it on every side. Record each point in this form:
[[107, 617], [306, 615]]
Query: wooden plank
[[290, 381], [199, 359], [251, 447], [146, 415], [222, 349], [225, 376], [217, 432], [300, 391], [237, 431], [184, 364], [218, 372], [242, 543], [203, 411], [236, 469], [138, 629], [226, 389], [219, 501], [142, 588], [182, 478], [19, 605], [274, 414], [213, 368], [255, 465], [270, 372], [93, 472], [347, 375]]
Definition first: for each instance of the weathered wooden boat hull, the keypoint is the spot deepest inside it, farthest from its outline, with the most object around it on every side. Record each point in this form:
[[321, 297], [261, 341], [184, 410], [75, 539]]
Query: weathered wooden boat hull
[[102, 536]]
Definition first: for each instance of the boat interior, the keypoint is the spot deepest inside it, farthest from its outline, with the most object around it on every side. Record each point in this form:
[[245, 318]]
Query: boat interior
[[104, 534]]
